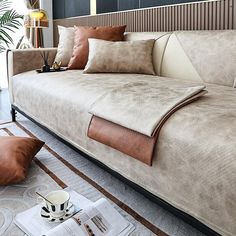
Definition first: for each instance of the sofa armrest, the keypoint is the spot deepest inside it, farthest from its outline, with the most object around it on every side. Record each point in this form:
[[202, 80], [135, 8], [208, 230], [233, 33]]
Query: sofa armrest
[[22, 60]]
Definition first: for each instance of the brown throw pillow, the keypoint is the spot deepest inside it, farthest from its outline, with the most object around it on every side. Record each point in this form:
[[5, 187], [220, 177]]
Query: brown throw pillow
[[81, 46], [16, 154]]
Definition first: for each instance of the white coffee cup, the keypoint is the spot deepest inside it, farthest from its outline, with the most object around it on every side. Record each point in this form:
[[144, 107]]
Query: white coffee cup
[[60, 200]]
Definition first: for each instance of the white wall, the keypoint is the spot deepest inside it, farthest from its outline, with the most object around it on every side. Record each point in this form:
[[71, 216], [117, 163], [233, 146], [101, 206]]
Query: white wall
[[3, 67], [3, 72], [48, 32], [17, 5]]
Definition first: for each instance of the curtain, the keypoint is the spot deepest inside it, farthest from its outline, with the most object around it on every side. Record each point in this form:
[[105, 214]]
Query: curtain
[[31, 32]]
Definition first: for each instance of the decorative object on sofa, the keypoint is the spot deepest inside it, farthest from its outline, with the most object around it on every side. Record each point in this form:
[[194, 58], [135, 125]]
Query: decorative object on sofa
[[36, 19], [46, 66], [16, 154], [65, 45], [81, 46], [56, 66], [120, 57], [51, 70], [10, 21]]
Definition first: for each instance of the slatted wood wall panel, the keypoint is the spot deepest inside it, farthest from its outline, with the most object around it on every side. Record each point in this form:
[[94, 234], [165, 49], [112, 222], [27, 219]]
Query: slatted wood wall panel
[[207, 15]]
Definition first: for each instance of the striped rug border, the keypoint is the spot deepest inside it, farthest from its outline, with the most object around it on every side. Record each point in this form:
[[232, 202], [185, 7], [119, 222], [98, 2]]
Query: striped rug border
[[119, 203], [5, 122]]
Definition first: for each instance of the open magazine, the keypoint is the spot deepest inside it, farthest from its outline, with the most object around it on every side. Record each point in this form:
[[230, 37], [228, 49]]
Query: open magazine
[[92, 219]]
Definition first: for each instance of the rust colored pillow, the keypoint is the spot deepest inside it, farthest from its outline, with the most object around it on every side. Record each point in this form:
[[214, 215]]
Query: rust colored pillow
[[16, 154], [81, 46]]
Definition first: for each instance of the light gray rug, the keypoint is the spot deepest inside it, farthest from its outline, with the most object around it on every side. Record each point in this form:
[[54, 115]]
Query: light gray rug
[[68, 168]]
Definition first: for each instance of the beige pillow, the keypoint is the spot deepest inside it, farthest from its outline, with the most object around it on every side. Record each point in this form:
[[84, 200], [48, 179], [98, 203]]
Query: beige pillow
[[120, 57], [66, 44]]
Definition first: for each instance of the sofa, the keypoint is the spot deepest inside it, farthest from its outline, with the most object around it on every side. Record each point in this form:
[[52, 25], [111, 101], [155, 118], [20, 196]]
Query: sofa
[[194, 164]]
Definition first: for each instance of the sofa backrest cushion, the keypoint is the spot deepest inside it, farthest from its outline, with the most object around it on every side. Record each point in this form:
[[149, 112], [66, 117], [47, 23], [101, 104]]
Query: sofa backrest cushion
[[66, 44], [159, 45], [81, 45], [208, 56]]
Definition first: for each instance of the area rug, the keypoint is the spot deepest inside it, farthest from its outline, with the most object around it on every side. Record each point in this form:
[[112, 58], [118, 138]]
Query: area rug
[[58, 166]]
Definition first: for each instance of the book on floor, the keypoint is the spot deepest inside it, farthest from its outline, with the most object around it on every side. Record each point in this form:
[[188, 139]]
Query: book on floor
[[92, 218]]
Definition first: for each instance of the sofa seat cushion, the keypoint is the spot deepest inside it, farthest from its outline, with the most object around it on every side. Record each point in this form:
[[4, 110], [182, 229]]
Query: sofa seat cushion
[[194, 165]]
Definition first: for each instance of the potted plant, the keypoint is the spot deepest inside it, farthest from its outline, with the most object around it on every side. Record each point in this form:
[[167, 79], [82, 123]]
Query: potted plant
[[10, 21]]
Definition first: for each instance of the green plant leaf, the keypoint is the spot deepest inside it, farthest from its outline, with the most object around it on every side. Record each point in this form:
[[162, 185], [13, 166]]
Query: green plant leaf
[[10, 21]]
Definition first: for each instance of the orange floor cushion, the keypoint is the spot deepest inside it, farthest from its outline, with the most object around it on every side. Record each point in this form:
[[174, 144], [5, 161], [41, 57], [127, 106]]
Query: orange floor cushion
[[16, 154]]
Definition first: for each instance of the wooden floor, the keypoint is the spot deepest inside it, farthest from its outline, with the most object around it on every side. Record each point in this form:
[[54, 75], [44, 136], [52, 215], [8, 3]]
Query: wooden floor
[[4, 105]]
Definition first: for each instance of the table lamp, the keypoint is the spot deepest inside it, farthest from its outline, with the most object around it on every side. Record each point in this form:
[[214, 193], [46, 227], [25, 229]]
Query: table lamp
[[36, 18]]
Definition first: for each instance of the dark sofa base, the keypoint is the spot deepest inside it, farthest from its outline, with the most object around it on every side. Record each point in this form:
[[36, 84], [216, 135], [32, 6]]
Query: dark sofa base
[[180, 214]]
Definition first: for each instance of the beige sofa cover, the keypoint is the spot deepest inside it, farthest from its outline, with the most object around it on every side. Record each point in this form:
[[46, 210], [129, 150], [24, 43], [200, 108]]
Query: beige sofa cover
[[194, 166]]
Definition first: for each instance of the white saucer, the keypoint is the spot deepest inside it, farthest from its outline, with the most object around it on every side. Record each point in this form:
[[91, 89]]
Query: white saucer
[[45, 214]]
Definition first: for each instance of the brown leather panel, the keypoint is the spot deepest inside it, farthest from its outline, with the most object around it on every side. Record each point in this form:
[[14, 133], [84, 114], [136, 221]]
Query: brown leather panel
[[16, 154], [81, 45], [127, 141]]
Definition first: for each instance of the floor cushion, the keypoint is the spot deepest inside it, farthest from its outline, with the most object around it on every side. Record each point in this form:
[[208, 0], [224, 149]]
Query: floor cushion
[[16, 154]]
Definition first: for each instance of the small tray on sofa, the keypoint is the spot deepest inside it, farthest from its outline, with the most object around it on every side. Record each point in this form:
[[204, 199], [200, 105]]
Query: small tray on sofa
[[52, 70]]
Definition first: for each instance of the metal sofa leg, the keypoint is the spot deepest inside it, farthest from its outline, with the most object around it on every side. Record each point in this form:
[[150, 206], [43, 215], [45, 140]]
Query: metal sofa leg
[[13, 114]]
